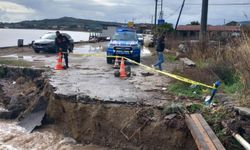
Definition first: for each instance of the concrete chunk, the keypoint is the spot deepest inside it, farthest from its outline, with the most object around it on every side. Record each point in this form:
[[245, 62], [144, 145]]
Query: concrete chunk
[[187, 62], [243, 111]]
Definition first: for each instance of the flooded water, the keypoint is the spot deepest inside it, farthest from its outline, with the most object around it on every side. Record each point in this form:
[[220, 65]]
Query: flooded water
[[90, 48], [14, 137], [28, 35]]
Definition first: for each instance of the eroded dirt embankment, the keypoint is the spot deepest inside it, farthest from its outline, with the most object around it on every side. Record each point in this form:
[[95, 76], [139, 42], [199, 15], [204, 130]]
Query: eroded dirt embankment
[[117, 126]]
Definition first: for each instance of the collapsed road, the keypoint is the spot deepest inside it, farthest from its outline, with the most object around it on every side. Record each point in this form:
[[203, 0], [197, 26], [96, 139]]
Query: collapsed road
[[88, 104]]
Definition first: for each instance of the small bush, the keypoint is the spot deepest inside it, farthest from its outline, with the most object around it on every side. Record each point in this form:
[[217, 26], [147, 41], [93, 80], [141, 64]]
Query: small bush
[[195, 108], [170, 58]]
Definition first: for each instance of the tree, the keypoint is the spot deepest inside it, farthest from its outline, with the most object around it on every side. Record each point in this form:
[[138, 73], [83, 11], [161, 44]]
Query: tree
[[194, 23], [166, 27]]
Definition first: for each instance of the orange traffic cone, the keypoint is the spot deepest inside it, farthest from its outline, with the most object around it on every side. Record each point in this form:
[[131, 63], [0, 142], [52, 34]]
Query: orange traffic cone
[[116, 65], [59, 62], [122, 69]]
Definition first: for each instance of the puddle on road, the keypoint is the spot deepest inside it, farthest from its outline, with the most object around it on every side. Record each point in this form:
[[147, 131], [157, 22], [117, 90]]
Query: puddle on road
[[89, 49], [20, 57], [146, 51]]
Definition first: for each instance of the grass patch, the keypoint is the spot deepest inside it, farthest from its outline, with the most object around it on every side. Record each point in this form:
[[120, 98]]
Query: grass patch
[[233, 88], [170, 58], [203, 64], [18, 63], [196, 107], [183, 89]]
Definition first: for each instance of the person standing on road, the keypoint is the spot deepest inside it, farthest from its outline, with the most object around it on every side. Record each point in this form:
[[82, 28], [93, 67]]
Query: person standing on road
[[160, 46], [62, 45]]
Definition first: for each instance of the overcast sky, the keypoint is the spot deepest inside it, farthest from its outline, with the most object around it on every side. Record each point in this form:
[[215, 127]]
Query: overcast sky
[[119, 10]]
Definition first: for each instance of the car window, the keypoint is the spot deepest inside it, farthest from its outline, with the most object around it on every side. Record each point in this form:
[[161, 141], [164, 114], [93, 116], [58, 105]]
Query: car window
[[139, 36], [125, 36], [68, 36], [49, 36]]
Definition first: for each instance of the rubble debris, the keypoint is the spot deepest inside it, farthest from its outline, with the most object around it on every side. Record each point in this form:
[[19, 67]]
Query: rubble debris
[[171, 116], [146, 74], [35, 118], [243, 111], [188, 62]]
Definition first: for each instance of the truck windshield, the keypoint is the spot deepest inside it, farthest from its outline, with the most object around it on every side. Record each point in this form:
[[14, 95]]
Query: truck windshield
[[125, 36]]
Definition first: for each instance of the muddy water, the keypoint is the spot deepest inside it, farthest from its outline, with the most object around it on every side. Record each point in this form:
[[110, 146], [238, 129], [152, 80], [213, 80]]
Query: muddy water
[[14, 137]]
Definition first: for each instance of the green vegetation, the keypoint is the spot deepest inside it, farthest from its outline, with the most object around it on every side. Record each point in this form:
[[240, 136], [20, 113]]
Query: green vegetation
[[183, 89], [236, 87], [19, 63], [65, 23], [196, 107], [167, 27], [170, 58]]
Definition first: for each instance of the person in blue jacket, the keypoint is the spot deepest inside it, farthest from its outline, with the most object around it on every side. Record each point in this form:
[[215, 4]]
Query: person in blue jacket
[[160, 46]]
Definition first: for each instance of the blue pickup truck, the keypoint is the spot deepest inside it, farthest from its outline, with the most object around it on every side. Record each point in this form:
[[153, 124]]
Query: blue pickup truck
[[124, 43]]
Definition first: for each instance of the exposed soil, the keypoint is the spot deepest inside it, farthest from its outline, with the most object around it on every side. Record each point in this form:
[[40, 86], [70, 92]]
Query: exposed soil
[[114, 126], [120, 126]]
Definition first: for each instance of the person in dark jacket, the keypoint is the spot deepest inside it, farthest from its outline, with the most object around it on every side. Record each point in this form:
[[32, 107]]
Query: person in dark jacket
[[62, 45], [160, 46]]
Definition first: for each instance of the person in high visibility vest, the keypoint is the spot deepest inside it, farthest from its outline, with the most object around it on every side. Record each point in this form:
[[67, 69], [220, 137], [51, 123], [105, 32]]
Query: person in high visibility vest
[[62, 45]]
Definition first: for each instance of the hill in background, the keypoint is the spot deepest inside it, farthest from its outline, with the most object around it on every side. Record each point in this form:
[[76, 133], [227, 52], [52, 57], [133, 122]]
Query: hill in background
[[65, 23]]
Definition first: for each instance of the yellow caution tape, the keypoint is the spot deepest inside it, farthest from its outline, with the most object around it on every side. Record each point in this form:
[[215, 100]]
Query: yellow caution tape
[[153, 70]]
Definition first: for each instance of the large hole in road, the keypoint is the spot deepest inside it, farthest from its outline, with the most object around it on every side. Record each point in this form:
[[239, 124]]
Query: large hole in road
[[116, 126]]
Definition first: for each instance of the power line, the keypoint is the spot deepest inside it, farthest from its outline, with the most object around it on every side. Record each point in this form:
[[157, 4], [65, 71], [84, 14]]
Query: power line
[[222, 4], [174, 12]]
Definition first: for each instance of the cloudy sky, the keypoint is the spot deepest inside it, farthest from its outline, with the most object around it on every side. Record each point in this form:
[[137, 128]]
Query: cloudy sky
[[120, 10]]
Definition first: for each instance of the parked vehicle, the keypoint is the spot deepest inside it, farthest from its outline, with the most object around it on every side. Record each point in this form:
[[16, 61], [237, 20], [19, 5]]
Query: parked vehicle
[[47, 43], [140, 39], [124, 43]]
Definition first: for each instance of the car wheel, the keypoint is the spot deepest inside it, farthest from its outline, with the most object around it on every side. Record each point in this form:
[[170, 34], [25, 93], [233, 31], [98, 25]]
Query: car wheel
[[37, 51], [109, 60]]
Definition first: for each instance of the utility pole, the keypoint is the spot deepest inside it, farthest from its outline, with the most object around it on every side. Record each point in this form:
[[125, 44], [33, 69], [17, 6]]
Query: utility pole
[[156, 5], [161, 12], [203, 29], [177, 23]]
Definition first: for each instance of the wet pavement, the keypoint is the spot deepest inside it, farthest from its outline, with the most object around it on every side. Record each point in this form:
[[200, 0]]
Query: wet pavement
[[92, 77]]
